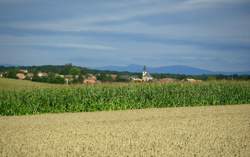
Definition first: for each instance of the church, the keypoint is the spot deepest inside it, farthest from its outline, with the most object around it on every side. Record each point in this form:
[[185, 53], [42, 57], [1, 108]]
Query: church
[[145, 75]]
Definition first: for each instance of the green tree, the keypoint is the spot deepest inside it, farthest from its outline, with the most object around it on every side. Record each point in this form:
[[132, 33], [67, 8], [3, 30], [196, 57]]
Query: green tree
[[122, 78], [12, 73], [104, 77], [75, 71]]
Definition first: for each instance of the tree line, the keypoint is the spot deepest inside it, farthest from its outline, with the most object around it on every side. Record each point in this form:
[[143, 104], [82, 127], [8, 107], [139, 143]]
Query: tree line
[[102, 75]]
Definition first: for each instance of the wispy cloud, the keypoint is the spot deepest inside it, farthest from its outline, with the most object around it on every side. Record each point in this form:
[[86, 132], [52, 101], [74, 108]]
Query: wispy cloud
[[56, 43], [137, 8]]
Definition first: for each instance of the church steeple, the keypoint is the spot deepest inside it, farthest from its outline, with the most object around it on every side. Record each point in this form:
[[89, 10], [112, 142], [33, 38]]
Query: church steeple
[[145, 75], [144, 68]]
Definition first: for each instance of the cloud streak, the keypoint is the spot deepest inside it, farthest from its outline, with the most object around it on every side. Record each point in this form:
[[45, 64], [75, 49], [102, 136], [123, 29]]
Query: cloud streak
[[57, 43]]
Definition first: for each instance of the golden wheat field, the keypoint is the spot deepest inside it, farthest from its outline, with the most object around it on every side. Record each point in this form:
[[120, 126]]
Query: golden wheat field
[[193, 131]]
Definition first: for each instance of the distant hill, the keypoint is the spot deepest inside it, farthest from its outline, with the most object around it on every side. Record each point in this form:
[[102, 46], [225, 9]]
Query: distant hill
[[8, 65], [176, 69], [133, 68], [129, 68], [179, 69]]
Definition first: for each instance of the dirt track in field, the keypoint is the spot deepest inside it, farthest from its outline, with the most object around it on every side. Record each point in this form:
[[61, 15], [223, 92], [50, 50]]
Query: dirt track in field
[[195, 131]]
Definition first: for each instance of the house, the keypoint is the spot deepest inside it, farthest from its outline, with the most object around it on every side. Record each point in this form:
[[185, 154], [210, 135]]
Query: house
[[76, 76], [42, 74], [62, 76], [167, 80], [113, 76], [193, 80], [68, 78], [90, 80], [23, 71], [135, 79], [30, 75], [20, 76], [146, 77], [59, 75]]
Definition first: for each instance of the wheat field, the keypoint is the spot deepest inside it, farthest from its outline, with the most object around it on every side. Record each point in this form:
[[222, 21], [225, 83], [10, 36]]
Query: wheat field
[[183, 131]]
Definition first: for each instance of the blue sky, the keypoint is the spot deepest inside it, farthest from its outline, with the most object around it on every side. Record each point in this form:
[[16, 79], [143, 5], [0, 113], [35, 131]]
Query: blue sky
[[209, 34]]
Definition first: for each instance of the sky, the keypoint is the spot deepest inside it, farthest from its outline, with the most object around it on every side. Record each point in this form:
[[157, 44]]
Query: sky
[[208, 34]]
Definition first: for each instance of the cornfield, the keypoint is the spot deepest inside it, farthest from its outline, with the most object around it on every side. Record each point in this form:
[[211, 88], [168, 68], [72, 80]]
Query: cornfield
[[121, 97]]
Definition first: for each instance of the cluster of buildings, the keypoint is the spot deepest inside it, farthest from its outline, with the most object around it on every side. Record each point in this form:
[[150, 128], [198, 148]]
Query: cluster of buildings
[[24, 74], [92, 79], [89, 79], [146, 77]]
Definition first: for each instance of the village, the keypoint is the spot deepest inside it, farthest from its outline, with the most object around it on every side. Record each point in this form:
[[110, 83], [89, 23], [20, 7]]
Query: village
[[90, 78]]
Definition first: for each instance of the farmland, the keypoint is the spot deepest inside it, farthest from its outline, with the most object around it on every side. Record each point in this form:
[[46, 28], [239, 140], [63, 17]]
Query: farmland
[[211, 127], [56, 99], [184, 131], [14, 84]]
